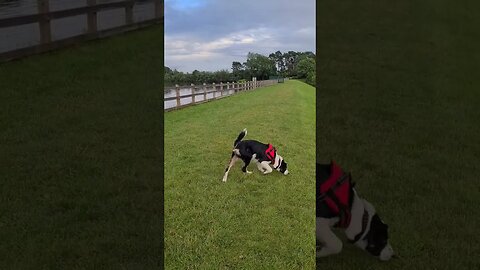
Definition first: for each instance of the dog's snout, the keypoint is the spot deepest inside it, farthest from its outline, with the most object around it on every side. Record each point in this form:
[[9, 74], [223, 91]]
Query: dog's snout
[[387, 253]]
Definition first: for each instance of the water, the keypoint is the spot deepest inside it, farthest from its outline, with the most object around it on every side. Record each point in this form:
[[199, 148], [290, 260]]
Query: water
[[29, 34]]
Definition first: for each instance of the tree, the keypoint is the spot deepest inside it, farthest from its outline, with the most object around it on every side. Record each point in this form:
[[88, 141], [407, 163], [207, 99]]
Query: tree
[[236, 67], [260, 66], [305, 66], [238, 71], [306, 69]]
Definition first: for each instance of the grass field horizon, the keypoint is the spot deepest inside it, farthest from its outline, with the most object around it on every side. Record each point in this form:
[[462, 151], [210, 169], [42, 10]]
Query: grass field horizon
[[252, 221], [398, 106]]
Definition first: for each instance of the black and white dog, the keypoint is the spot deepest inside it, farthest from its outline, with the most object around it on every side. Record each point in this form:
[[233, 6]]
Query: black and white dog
[[264, 155], [338, 205]]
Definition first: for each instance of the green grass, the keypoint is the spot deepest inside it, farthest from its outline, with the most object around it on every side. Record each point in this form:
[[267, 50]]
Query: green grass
[[80, 161], [398, 105], [252, 221]]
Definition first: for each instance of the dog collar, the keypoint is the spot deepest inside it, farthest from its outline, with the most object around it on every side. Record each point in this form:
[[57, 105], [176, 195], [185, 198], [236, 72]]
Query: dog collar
[[364, 227], [277, 158]]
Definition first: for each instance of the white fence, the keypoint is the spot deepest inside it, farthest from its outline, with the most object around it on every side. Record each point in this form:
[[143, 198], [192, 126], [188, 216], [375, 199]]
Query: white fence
[[177, 97]]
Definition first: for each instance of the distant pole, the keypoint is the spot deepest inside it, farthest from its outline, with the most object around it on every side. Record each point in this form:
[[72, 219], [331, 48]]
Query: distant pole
[[129, 12], [44, 22], [177, 91], [204, 92], [193, 92], [92, 18], [158, 9]]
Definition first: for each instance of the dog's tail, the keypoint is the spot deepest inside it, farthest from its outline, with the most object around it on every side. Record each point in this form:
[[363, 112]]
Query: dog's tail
[[240, 137]]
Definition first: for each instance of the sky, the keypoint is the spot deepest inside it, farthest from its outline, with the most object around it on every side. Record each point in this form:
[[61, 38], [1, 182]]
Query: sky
[[208, 35]]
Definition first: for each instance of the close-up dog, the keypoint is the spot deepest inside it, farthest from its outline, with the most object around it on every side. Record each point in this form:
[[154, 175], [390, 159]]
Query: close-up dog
[[264, 155], [338, 205]]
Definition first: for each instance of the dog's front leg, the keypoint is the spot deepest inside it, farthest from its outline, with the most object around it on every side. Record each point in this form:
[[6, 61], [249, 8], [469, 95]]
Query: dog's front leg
[[233, 159], [331, 243], [266, 168], [260, 167], [244, 168]]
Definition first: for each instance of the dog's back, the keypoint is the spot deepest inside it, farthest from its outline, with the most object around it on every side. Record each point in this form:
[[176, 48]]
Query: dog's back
[[323, 173]]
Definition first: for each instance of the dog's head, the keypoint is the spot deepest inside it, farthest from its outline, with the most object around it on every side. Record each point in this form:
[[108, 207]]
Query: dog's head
[[282, 167], [376, 240]]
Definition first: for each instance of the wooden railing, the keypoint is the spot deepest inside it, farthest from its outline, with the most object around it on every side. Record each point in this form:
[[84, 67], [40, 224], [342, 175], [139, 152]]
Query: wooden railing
[[45, 16], [175, 99]]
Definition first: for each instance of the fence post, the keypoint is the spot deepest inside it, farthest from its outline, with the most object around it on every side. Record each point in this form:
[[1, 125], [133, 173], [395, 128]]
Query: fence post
[[204, 92], [92, 18], [214, 89], [228, 88], [193, 92], [158, 9], [44, 22], [221, 89], [177, 91], [129, 12]]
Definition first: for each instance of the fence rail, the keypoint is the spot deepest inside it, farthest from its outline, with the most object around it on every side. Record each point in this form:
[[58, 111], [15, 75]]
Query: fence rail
[[44, 17], [177, 97]]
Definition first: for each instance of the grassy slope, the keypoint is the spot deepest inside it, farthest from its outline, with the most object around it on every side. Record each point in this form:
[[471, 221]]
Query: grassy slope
[[80, 147], [399, 106], [252, 221]]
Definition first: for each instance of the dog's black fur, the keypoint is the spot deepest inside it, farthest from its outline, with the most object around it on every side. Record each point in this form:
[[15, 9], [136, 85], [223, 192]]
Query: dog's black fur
[[377, 236]]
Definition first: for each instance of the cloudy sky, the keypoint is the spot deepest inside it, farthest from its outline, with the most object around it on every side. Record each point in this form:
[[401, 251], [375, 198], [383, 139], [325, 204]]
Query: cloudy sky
[[208, 35]]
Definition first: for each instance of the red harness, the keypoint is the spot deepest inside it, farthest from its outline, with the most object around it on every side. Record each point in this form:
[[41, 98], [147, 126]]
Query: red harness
[[270, 152], [336, 193]]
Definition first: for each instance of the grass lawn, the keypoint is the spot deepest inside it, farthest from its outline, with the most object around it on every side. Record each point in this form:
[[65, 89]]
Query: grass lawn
[[80, 156], [252, 221], [399, 106]]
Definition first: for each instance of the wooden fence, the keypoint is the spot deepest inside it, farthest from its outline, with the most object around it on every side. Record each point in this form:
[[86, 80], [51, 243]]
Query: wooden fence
[[182, 96], [44, 17]]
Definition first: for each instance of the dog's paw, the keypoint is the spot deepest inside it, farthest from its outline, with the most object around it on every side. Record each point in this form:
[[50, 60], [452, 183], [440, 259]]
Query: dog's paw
[[248, 172]]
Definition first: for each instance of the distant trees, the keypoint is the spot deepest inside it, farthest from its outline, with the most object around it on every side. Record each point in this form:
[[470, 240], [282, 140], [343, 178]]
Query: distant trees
[[300, 65], [260, 66], [173, 77], [306, 69]]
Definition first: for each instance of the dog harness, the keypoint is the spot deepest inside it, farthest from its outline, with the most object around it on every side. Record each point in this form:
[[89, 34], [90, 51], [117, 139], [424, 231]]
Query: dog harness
[[270, 152], [336, 193]]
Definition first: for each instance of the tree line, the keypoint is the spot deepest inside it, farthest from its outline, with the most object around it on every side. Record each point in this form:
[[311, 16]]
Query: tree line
[[299, 65]]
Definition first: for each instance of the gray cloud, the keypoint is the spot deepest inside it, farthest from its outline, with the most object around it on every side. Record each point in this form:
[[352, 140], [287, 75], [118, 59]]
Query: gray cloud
[[210, 34]]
